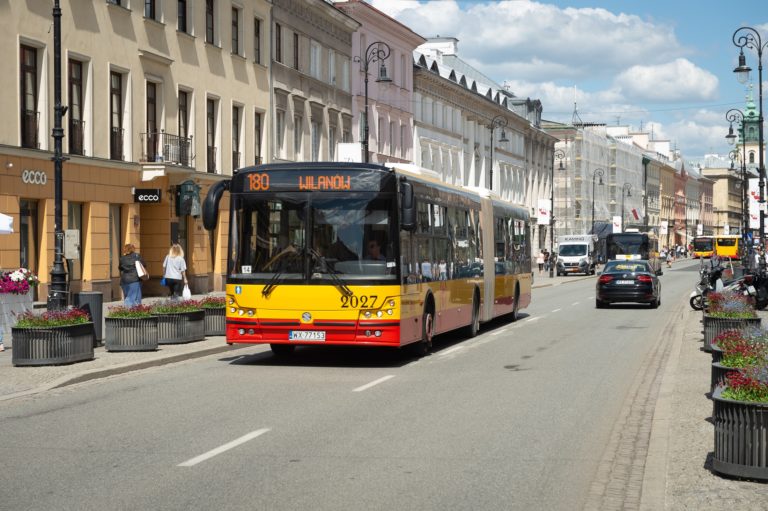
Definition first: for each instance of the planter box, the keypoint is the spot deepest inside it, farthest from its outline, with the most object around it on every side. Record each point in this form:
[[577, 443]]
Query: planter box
[[718, 374], [715, 326], [52, 346], [181, 327], [215, 321], [131, 334], [11, 306], [741, 443], [717, 353]]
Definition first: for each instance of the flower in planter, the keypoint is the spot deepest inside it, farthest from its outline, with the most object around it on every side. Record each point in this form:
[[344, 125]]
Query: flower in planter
[[750, 385], [137, 311], [18, 282], [743, 349], [730, 305], [213, 302], [50, 319], [175, 306]]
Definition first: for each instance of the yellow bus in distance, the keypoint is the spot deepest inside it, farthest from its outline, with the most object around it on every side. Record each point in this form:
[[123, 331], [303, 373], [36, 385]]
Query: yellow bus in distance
[[727, 246]]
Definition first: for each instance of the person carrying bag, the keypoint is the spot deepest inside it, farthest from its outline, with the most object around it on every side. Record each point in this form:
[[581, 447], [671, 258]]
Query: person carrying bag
[[131, 263], [175, 272]]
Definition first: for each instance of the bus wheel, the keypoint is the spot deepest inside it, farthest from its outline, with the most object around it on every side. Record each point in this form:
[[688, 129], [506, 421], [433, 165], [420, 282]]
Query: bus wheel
[[513, 316], [282, 350], [474, 327], [424, 346]]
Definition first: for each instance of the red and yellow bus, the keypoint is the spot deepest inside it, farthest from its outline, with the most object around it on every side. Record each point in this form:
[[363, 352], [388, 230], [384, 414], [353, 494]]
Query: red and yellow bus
[[299, 270], [703, 246], [727, 246]]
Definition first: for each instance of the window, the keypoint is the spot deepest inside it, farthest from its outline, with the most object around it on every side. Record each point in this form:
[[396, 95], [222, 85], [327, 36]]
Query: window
[[402, 141], [75, 221], [314, 60], [210, 130], [257, 138], [150, 9], [380, 135], [185, 143], [751, 157], [295, 50], [315, 141], [403, 75], [235, 31], [115, 236], [280, 130], [152, 128], [29, 114], [297, 136], [235, 137], [257, 41], [75, 112], [116, 115], [181, 16], [345, 75], [332, 67], [209, 22], [278, 43], [392, 138]]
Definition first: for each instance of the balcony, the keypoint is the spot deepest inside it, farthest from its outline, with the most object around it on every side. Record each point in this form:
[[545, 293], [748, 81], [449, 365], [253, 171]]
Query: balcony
[[167, 148], [211, 159], [116, 144], [76, 135], [29, 128]]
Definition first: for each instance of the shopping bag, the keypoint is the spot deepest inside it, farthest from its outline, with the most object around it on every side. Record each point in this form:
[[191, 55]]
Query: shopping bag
[[141, 271], [186, 294], [163, 282]]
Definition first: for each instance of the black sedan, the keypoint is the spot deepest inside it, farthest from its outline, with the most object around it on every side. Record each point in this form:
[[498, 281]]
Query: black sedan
[[627, 281]]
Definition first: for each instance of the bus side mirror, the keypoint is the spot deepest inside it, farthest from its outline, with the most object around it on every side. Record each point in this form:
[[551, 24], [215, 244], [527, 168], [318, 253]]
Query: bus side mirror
[[407, 207]]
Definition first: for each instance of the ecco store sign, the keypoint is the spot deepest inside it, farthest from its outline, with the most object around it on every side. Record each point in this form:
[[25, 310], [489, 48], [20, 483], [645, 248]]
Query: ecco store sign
[[147, 195], [34, 177]]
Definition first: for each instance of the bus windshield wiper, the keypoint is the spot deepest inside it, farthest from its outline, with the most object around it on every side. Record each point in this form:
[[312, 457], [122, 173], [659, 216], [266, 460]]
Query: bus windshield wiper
[[332, 273], [272, 283]]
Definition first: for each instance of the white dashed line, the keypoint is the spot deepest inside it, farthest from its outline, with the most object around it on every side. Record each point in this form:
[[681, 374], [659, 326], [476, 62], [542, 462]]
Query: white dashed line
[[374, 382], [574, 303], [452, 350], [535, 318], [234, 443], [557, 310]]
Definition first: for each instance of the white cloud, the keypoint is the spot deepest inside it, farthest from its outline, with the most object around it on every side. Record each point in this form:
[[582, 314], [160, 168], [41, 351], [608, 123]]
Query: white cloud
[[679, 80]]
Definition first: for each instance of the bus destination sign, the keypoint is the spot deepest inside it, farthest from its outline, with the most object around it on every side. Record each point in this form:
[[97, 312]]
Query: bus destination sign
[[312, 181]]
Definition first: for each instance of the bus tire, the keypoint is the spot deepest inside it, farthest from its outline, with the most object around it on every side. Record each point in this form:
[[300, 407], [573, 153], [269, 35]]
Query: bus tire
[[513, 316], [282, 350], [424, 346], [474, 327]]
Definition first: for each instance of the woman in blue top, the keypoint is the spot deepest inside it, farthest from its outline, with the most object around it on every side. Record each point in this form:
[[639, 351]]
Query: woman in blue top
[[175, 271]]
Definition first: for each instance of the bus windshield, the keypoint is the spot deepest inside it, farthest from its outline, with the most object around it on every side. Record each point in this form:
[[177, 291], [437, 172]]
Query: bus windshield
[[303, 237], [703, 244], [627, 244]]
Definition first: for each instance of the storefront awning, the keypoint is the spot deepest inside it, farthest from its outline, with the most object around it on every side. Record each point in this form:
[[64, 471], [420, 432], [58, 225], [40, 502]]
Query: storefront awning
[[6, 224]]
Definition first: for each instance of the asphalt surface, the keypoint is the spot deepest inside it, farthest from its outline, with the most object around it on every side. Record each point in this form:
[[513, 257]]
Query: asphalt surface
[[675, 472]]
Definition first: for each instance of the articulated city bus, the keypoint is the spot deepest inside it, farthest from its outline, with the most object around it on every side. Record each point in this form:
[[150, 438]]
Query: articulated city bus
[[630, 245], [361, 254], [703, 246], [727, 246]]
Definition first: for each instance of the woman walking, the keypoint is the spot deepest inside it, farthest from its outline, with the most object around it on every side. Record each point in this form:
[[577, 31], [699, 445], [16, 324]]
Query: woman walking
[[130, 281], [175, 271]]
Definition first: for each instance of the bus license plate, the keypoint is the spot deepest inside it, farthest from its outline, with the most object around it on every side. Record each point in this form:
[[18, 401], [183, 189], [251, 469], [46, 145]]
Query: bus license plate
[[624, 282], [306, 335]]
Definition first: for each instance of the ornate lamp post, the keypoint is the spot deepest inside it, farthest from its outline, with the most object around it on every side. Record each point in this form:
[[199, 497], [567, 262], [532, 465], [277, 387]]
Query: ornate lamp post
[[498, 122], [736, 115], [57, 293], [595, 173], [559, 154], [377, 51], [748, 37], [626, 191]]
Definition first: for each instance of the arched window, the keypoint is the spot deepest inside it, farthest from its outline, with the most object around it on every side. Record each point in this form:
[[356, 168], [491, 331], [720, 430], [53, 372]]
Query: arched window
[[751, 157]]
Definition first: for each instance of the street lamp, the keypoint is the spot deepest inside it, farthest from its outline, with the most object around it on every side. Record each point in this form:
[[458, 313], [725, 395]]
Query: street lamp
[[501, 122], [748, 37], [559, 154], [626, 191], [377, 51], [57, 293], [736, 115], [595, 173]]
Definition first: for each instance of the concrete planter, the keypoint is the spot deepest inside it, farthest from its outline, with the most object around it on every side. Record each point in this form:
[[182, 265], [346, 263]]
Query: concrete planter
[[131, 334], [52, 346], [12, 305], [215, 321], [741, 443], [180, 327], [718, 374], [715, 326]]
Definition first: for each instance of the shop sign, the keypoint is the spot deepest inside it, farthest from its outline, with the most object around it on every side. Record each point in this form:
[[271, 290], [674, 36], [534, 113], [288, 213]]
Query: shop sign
[[147, 195], [34, 177]]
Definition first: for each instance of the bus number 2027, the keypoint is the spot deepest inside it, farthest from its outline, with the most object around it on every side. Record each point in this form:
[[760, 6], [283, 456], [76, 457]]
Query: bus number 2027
[[354, 302]]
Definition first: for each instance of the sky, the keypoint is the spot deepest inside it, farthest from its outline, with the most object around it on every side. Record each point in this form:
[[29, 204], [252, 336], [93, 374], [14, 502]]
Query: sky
[[665, 67]]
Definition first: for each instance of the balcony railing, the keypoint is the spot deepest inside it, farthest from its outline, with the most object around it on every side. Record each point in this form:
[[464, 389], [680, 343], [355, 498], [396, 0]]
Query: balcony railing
[[29, 125], [76, 135], [211, 159], [164, 147], [116, 143]]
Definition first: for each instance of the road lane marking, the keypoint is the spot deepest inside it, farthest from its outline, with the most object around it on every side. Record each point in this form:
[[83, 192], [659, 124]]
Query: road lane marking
[[213, 452], [374, 382], [533, 318], [556, 310], [574, 303], [452, 350]]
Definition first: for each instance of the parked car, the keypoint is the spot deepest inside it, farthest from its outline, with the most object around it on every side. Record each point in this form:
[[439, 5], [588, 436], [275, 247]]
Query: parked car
[[627, 281]]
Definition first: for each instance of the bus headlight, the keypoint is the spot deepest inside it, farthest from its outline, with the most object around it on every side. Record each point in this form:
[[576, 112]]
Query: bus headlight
[[391, 303], [367, 314], [232, 310], [389, 311], [379, 314], [240, 312], [250, 312]]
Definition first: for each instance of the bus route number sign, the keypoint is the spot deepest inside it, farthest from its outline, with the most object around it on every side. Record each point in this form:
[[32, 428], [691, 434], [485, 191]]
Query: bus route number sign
[[258, 182]]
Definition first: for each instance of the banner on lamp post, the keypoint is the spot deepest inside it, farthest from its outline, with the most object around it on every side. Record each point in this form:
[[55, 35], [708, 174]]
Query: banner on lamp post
[[617, 224], [544, 212], [753, 197], [663, 229], [699, 229]]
